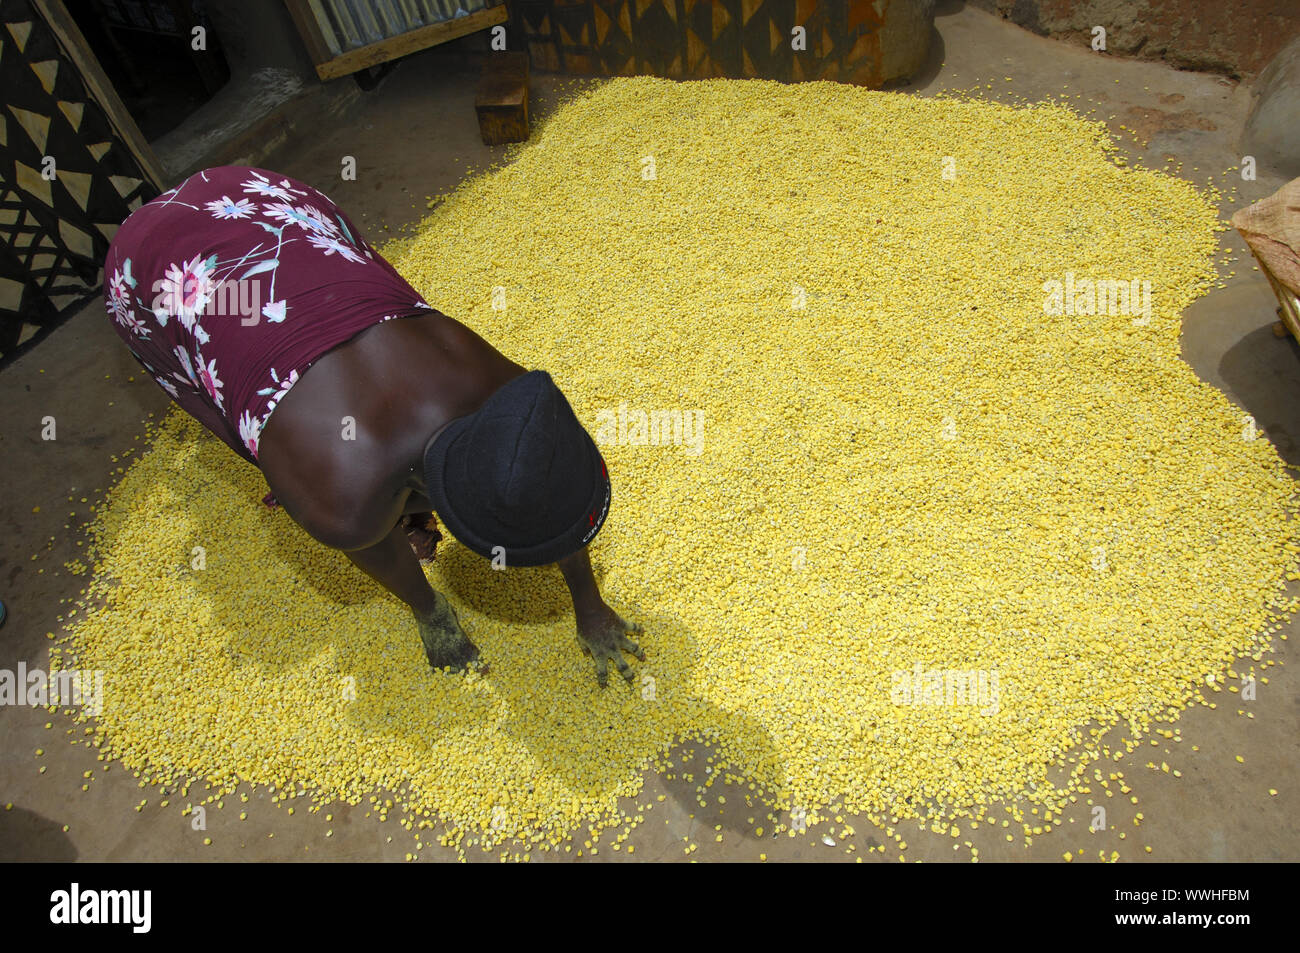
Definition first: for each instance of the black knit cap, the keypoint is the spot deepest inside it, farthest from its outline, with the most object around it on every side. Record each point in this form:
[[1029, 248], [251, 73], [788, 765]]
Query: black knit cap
[[520, 473]]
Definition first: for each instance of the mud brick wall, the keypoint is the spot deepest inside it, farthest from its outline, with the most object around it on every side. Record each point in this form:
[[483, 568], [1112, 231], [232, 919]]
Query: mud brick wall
[[1234, 37]]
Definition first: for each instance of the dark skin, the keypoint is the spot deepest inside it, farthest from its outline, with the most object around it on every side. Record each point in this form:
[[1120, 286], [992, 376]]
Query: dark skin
[[402, 382]]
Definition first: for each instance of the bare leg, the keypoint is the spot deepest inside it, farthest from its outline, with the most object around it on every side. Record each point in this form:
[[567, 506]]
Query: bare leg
[[391, 563]]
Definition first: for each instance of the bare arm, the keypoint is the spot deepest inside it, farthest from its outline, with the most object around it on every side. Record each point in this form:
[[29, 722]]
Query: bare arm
[[582, 583]]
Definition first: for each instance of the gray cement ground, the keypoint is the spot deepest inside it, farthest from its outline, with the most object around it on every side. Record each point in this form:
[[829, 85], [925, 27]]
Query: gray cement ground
[[416, 136]]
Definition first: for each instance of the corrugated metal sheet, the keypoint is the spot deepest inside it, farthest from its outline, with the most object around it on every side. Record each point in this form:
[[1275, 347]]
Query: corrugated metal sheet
[[347, 24]]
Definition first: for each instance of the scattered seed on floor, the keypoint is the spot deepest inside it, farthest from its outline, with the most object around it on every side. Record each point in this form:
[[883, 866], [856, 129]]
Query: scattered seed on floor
[[904, 473]]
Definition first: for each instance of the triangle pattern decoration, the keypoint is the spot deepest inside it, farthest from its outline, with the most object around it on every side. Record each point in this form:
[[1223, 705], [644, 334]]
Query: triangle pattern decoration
[[36, 125], [78, 186], [73, 111], [31, 182], [700, 39], [20, 31], [53, 234], [47, 71], [124, 184]]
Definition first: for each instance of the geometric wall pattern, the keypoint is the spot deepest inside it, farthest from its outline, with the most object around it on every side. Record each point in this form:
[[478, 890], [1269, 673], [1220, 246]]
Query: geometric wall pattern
[[701, 39], [56, 221]]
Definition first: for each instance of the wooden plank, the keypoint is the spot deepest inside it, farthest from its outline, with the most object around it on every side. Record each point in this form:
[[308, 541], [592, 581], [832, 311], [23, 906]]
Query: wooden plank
[[426, 36], [76, 48], [309, 30]]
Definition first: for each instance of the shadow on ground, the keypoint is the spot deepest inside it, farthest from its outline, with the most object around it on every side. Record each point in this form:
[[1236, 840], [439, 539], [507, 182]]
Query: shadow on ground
[[27, 836], [1258, 368]]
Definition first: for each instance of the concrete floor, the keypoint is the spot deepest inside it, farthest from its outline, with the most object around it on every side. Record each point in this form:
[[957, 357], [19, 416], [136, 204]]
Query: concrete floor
[[416, 136]]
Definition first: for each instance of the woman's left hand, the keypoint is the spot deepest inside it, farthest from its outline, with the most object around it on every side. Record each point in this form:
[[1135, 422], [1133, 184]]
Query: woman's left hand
[[603, 634]]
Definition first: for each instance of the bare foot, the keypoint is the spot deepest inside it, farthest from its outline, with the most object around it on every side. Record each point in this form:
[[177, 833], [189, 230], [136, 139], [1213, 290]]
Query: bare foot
[[445, 642]]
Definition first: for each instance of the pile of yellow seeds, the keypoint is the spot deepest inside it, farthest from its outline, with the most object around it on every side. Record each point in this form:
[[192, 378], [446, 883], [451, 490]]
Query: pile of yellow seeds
[[906, 466]]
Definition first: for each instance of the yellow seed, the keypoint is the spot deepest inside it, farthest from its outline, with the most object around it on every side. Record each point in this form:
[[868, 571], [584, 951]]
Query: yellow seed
[[897, 374]]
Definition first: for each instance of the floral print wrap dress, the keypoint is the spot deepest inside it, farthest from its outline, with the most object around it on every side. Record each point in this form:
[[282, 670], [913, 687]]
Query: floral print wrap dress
[[229, 286]]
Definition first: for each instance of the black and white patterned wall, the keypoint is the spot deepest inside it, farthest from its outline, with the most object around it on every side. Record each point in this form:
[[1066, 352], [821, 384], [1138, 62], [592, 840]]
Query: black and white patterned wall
[[66, 181]]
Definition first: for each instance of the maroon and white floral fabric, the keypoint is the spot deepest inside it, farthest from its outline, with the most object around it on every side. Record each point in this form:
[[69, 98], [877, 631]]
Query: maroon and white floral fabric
[[229, 286]]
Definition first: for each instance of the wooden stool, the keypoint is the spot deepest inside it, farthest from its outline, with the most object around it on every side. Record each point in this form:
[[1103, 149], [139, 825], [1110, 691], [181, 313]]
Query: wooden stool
[[502, 100]]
